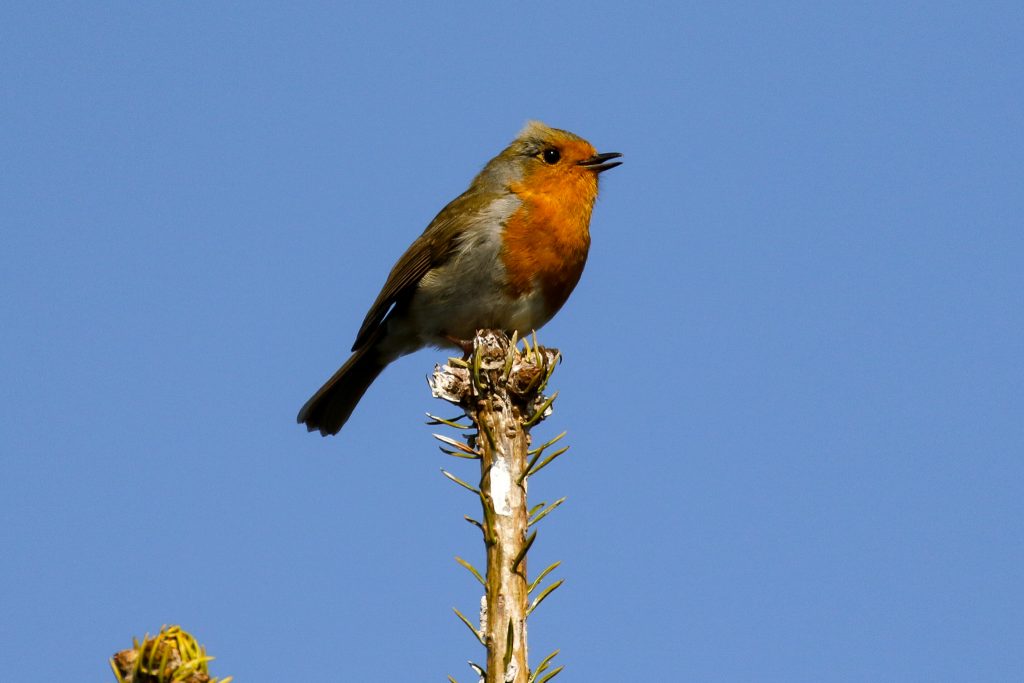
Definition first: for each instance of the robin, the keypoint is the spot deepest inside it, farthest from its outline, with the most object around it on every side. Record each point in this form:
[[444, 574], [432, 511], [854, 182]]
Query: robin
[[505, 254]]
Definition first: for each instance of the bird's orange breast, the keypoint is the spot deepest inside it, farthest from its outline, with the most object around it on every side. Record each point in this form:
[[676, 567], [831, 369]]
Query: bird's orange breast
[[547, 238]]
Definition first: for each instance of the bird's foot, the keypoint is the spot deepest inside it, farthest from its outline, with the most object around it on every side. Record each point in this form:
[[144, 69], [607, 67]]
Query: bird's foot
[[465, 344]]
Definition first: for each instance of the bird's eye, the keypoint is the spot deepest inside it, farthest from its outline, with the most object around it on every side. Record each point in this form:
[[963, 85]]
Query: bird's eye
[[551, 156]]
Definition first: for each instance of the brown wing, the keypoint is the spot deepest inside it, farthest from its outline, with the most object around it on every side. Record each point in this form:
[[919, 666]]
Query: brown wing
[[430, 250]]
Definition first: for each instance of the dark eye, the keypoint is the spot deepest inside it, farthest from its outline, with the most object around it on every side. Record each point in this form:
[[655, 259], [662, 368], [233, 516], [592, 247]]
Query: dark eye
[[551, 156]]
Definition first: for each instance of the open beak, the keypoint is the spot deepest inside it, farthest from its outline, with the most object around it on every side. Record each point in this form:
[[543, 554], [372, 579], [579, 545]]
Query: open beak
[[597, 163]]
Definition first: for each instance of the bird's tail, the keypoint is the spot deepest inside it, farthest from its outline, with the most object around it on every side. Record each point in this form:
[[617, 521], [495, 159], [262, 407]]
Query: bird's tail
[[330, 407]]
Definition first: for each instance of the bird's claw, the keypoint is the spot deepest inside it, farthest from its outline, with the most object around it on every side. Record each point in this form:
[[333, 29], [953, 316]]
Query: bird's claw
[[465, 344]]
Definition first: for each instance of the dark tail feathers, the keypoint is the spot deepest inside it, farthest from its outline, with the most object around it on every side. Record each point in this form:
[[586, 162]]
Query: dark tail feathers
[[330, 407]]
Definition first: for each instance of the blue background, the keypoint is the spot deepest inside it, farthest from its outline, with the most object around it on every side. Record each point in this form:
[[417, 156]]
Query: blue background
[[793, 369]]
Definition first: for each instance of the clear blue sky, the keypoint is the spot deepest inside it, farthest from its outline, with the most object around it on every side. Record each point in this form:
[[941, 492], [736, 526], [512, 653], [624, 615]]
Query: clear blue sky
[[793, 368]]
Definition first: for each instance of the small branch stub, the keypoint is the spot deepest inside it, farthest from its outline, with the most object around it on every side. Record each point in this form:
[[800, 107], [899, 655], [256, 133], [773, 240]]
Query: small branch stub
[[499, 387]]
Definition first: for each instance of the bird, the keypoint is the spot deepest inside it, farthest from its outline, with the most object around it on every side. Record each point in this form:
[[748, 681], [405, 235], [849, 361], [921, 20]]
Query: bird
[[503, 255]]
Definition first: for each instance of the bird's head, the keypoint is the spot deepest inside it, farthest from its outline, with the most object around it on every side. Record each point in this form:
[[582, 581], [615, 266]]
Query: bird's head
[[550, 161]]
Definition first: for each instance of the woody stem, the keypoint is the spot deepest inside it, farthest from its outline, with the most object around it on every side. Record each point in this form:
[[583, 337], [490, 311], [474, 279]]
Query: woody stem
[[500, 389], [503, 496]]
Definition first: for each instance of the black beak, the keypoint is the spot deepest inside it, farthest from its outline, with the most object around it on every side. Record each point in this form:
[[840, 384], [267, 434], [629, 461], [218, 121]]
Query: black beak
[[597, 163]]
